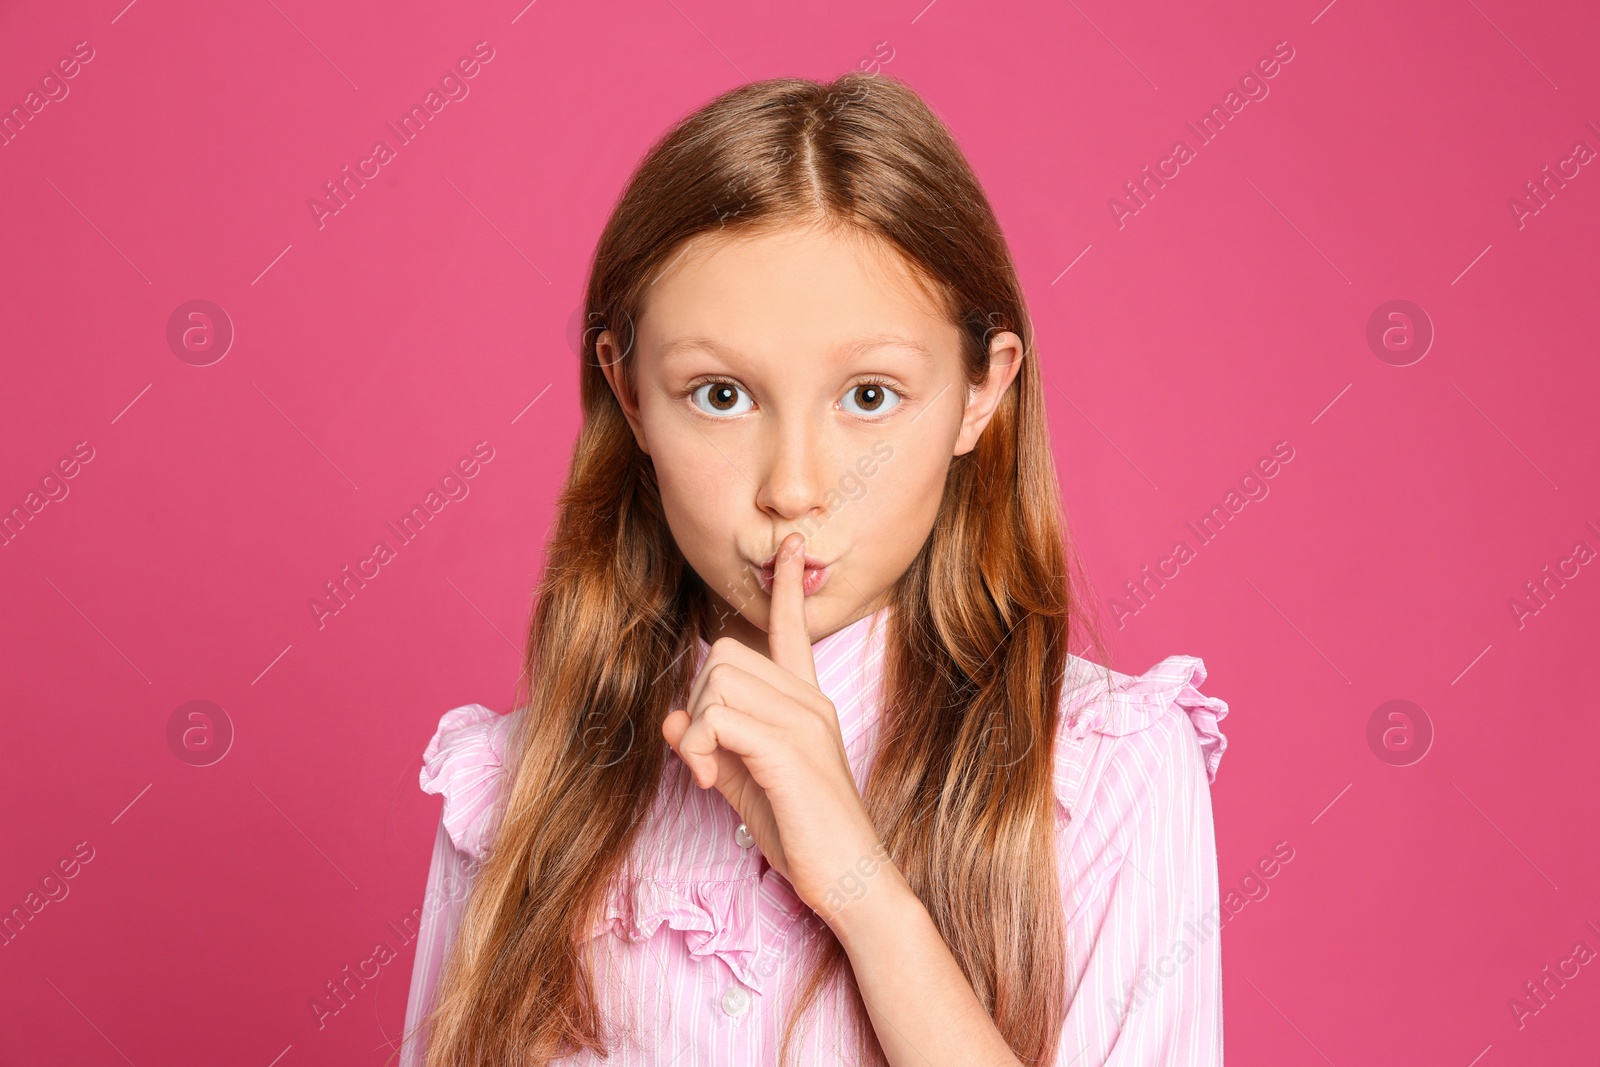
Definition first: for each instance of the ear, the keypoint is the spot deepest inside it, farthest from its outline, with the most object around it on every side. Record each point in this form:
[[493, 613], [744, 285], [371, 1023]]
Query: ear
[[609, 353], [1005, 362]]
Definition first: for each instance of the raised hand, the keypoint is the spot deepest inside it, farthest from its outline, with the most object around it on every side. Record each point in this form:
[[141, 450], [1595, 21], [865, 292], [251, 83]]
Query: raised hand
[[762, 733]]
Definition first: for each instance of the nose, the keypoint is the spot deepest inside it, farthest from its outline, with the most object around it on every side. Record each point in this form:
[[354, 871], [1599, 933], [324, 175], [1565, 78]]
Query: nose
[[791, 485]]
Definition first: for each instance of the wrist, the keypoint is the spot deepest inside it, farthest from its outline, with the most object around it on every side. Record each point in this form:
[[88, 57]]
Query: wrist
[[867, 903]]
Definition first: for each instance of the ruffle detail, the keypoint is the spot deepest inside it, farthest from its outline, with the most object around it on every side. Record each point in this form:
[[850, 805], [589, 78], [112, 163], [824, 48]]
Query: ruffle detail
[[1205, 715], [464, 763], [1131, 703], [718, 917], [1138, 702]]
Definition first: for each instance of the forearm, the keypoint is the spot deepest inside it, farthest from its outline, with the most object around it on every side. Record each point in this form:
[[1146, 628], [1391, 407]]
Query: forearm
[[921, 1006]]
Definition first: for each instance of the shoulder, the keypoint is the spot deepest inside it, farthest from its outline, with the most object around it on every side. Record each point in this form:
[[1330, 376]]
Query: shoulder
[[464, 763], [1143, 731]]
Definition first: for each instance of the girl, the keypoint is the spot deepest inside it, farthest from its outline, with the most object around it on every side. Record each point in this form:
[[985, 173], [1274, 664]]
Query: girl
[[805, 772]]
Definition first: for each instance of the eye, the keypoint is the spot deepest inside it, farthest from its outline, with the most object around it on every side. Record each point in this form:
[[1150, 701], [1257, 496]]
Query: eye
[[872, 398], [721, 398]]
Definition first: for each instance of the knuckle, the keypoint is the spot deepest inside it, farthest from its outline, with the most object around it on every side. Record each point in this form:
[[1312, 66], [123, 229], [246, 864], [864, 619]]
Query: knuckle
[[720, 674]]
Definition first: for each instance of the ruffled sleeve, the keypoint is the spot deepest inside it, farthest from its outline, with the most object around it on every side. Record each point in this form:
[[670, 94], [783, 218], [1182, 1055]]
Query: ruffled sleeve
[[464, 763], [1108, 702], [1175, 681], [1138, 868]]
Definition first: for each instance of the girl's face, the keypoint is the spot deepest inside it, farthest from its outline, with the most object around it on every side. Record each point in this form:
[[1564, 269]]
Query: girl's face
[[800, 380]]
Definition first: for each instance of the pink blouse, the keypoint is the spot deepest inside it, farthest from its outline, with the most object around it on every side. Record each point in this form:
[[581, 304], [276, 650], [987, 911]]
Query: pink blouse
[[695, 955]]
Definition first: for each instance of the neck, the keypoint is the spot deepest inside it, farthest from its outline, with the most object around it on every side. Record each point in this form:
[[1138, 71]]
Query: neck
[[720, 620]]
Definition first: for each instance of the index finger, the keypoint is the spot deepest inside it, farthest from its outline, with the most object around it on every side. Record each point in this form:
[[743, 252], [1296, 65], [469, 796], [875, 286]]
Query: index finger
[[787, 637]]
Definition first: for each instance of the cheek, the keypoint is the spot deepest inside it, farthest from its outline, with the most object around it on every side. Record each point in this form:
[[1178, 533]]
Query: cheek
[[898, 504], [700, 494]]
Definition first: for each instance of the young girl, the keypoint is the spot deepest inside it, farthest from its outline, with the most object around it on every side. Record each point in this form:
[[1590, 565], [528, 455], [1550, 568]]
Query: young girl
[[806, 772]]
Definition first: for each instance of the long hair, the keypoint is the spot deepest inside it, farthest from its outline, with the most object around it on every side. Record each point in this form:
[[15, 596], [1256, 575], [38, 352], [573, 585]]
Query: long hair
[[977, 637]]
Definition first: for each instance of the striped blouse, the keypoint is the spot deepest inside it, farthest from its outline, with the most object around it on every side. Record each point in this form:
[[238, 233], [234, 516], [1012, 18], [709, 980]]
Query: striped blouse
[[694, 957]]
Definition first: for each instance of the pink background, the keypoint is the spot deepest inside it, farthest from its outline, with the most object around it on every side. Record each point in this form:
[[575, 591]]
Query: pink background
[[1228, 314]]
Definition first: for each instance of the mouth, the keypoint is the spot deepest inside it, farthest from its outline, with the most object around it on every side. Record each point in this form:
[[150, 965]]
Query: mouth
[[816, 574]]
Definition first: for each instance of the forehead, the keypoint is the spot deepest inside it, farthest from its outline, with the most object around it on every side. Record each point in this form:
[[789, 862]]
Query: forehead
[[844, 349], [808, 289]]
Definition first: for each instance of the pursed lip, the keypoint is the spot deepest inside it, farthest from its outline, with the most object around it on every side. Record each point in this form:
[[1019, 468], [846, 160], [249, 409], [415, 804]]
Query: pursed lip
[[770, 563], [816, 573]]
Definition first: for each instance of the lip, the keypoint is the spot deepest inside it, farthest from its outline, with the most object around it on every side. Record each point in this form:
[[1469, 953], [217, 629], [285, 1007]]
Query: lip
[[816, 574], [772, 561]]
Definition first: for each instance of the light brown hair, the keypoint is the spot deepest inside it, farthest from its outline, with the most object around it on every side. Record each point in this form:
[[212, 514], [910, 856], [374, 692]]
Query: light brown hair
[[978, 631]]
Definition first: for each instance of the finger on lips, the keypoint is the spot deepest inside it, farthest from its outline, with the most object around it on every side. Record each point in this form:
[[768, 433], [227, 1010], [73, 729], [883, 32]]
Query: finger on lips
[[787, 637], [791, 663]]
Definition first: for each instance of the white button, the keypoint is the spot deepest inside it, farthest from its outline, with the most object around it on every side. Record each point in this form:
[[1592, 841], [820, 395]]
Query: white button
[[742, 837], [735, 1001]]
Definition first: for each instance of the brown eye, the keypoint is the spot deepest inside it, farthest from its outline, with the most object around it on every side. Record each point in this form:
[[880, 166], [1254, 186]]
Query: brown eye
[[871, 398], [721, 398]]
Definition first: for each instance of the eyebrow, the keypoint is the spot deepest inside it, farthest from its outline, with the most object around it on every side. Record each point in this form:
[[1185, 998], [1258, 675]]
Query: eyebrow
[[858, 347]]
